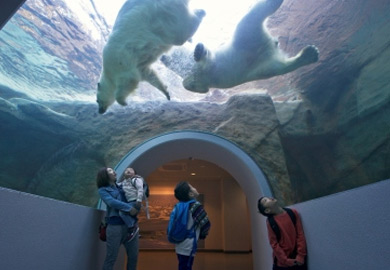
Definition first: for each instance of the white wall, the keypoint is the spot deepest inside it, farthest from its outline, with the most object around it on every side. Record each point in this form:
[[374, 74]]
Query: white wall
[[349, 230], [41, 233], [236, 225]]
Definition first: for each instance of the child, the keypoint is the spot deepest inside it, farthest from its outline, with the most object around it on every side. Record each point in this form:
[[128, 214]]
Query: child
[[132, 186], [197, 217], [287, 240]]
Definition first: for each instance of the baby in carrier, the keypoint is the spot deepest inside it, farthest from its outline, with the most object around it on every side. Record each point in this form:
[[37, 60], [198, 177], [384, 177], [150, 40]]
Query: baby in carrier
[[133, 186]]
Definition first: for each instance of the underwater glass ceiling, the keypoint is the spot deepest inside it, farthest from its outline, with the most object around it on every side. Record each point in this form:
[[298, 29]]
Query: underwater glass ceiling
[[301, 86]]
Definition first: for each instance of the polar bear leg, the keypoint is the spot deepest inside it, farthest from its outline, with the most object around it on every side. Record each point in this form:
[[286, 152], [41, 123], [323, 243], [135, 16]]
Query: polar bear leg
[[124, 88], [250, 30], [281, 65], [195, 22], [306, 56], [189, 25], [151, 77]]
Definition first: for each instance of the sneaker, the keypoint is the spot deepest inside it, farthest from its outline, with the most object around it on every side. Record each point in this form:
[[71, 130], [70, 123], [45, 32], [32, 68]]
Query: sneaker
[[132, 233]]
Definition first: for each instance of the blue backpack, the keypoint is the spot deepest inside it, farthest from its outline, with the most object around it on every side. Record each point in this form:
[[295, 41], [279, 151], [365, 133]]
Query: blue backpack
[[177, 228]]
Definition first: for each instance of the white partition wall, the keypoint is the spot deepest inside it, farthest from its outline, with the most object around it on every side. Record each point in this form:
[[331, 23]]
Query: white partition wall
[[41, 233], [349, 230]]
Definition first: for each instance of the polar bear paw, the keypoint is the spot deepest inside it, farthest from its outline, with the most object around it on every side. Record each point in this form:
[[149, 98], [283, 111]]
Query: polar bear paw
[[168, 96], [310, 54], [200, 13], [164, 90]]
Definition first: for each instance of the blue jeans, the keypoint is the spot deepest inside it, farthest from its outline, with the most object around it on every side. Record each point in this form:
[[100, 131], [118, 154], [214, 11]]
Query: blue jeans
[[185, 262], [116, 236], [129, 220]]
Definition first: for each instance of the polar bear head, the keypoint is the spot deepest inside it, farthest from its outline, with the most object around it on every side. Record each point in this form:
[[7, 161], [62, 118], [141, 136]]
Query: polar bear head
[[105, 96]]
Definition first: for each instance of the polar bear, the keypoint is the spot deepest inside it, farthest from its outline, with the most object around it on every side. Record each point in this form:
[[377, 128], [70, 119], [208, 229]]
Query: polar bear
[[143, 30], [252, 54]]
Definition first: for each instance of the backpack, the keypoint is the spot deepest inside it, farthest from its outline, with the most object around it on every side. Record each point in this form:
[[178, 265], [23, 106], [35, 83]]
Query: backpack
[[177, 228], [145, 185], [274, 225]]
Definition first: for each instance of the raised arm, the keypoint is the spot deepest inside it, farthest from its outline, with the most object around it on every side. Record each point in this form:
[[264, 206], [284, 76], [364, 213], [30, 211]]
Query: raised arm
[[113, 202]]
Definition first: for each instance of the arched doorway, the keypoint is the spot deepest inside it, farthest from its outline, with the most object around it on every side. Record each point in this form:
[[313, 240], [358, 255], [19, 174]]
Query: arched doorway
[[221, 195], [165, 148]]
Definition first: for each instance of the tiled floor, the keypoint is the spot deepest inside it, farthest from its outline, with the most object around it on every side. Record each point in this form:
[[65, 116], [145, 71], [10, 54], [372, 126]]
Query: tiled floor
[[166, 260]]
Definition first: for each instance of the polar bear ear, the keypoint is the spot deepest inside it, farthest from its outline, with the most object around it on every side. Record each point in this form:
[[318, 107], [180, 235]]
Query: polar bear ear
[[200, 52]]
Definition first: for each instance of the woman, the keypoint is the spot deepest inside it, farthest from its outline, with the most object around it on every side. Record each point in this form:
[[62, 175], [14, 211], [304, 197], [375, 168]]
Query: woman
[[116, 232]]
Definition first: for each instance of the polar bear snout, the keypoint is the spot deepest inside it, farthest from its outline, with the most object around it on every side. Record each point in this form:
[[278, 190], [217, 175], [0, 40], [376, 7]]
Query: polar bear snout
[[105, 96], [190, 83], [102, 110]]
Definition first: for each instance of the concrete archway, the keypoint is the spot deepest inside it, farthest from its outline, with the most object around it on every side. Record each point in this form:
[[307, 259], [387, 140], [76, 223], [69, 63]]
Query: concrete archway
[[165, 148]]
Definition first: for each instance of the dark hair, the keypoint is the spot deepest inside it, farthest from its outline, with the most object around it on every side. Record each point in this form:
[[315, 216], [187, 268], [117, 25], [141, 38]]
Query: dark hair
[[261, 207], [102, 178], [182, 191], [123, 174]]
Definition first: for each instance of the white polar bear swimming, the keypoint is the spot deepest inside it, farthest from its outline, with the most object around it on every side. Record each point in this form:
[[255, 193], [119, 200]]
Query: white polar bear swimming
[[253, 54], [143, 30]]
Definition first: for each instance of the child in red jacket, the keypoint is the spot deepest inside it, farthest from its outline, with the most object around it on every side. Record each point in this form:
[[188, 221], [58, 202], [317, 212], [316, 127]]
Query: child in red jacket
[[287, 240]]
